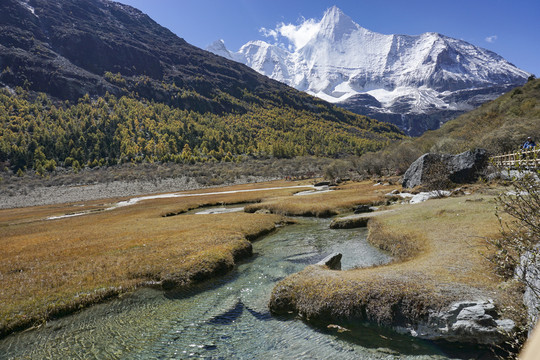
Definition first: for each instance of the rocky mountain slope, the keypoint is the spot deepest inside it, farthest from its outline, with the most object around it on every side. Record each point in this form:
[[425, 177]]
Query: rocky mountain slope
[[500, 126], [417, 82], [66, 47], [136, 92]]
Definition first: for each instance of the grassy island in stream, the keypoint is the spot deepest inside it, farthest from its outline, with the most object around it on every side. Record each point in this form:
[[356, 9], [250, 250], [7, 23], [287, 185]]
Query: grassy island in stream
[[440, 258]]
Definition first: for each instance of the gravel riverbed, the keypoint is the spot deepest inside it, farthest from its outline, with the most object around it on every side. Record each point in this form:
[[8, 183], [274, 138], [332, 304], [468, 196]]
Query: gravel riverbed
[[60, 194]]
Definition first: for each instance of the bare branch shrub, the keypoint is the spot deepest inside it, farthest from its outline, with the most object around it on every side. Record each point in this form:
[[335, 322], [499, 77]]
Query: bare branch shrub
[[517, 252], [450, 146], [403, 156], [520, 234], [338, 169], [371, 164]]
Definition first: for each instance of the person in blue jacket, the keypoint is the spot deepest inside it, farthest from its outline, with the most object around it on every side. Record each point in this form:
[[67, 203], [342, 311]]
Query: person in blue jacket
[[529, 144]]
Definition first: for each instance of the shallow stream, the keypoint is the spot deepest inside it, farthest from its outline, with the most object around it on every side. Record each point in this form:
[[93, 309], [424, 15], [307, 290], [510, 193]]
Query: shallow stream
[[226, 318]]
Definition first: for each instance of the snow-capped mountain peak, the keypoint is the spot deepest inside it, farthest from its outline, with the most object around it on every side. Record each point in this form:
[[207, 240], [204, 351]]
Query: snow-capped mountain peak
[[396, 78], [335, 24], [218, 47]]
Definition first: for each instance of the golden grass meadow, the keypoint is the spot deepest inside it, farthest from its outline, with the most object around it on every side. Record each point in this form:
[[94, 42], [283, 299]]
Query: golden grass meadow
[[52, 267], [49, 268]]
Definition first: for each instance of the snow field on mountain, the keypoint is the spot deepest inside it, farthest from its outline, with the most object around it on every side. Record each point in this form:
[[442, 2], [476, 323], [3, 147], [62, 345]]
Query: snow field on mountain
[[343, 59]]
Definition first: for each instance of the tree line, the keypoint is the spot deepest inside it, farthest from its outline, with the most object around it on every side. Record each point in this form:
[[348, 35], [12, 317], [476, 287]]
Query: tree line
[[40, 134]]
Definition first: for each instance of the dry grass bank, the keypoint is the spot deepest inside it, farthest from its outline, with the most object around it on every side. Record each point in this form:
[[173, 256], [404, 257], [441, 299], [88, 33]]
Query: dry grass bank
[[52, 267], [343, 199], [440, 255]]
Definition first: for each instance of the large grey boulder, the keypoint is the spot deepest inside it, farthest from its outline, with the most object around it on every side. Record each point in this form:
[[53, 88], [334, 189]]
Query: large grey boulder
[[459, 169], [474, 321]]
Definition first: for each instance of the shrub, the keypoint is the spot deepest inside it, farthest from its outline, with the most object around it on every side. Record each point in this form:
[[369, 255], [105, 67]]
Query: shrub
[[521, 234], [338, 169], [50, 165], [372, 164], [517, 250]]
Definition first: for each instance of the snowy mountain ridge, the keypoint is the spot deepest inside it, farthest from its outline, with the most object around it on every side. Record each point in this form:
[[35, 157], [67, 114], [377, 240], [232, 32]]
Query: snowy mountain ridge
[[395, 78]]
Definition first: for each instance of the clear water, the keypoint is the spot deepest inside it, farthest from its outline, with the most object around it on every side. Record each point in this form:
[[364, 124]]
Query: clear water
[[226, 318]]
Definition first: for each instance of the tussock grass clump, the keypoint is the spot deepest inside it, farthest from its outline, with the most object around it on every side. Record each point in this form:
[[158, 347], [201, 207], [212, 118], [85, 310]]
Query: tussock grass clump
[[318, 295], [343, 199], [400, 244]]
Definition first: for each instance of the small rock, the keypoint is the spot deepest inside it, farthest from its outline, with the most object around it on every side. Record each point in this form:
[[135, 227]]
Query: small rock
[[332, 261], [263, 211], [360, 209], [322, 183], [339, 329], [424, 196], [475, 200]]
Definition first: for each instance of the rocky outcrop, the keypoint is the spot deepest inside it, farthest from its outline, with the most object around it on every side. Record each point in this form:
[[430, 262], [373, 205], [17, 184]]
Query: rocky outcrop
[[459, 169], [469, 321]]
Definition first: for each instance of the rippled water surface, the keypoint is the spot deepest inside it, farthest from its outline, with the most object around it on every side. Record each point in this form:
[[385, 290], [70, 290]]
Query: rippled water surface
[[226, 318]]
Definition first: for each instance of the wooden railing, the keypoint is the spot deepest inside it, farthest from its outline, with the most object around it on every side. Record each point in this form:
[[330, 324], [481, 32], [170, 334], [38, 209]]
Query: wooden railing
[[527, 159]]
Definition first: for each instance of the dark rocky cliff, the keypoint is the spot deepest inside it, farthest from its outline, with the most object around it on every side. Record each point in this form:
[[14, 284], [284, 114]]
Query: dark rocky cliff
[[65, 48]]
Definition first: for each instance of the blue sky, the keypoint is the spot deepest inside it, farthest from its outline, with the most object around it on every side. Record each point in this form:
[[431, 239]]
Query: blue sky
[[510, 28]]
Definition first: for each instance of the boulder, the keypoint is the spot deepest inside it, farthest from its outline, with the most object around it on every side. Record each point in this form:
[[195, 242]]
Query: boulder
[[263, 211], [332, 261], [474, 321], [465, 167], [459, 169]]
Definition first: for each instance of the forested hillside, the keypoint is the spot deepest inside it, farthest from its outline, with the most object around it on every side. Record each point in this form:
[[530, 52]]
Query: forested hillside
[[94, 83], [499, 126], [37, 134]]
